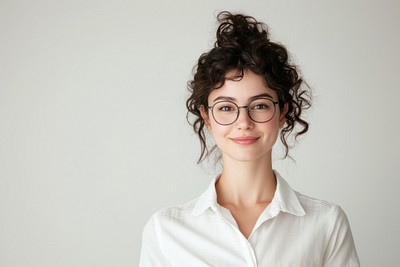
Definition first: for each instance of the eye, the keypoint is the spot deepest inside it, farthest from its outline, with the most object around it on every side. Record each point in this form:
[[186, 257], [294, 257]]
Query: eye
[[225, 108], [261, 106]]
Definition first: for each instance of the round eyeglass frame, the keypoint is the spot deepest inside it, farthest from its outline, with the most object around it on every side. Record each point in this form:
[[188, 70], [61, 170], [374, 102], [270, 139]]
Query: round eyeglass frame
[[238, 111]]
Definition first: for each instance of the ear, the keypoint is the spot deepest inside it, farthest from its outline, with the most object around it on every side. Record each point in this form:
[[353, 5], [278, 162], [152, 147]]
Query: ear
[[206, 118], [282, 117]]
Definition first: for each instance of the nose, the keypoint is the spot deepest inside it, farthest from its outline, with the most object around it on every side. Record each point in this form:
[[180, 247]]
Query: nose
[[244, 121]]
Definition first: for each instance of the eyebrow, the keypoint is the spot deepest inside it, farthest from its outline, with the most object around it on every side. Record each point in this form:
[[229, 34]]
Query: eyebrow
[[228, 98]]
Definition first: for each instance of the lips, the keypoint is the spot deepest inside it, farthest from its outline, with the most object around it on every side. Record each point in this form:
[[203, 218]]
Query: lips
[[245, 140]]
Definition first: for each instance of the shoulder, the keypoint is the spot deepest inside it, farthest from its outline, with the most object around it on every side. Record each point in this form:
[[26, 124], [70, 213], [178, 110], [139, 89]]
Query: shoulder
[[314, 203], [161, 227], [325, 212], [330, 220], [172, 214]]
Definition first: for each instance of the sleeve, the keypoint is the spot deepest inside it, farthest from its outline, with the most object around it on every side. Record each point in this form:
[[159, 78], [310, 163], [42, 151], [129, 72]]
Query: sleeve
[[152, 254], [340, 249]]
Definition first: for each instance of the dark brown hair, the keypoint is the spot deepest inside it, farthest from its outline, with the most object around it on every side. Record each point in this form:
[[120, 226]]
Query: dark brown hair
[[243, 44]]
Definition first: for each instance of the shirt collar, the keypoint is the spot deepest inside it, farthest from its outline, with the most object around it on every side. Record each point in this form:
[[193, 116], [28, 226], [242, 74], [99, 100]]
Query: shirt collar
[[285, 199], [206, 200]]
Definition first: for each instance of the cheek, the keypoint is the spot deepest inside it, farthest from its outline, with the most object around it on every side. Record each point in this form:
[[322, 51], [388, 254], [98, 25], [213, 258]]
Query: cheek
[[218, 132], [271, 129]]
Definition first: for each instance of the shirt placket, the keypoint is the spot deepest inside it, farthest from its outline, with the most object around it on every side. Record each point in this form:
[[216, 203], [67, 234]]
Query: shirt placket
[[228, 218]]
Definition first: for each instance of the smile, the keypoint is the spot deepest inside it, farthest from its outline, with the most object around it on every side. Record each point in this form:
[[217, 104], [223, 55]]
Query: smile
[[245, 140]]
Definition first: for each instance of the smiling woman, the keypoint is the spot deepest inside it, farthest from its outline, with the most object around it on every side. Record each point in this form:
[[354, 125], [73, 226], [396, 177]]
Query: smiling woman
[[246, 93]]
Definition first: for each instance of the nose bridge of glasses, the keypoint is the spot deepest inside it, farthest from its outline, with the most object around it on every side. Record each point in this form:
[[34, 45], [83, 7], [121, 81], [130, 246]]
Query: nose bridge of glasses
[[247, 111]]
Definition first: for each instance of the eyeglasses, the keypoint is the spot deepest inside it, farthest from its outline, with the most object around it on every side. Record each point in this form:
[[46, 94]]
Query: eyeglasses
[[259, 110]]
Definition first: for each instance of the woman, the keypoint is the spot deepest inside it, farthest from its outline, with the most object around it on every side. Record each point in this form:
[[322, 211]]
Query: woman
[[245, 93]]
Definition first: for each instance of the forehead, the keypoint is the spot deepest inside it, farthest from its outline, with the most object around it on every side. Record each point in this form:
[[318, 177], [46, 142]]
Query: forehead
[[243, 89]]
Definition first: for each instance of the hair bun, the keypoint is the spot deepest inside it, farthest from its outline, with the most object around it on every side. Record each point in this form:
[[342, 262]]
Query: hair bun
[[239, 31]]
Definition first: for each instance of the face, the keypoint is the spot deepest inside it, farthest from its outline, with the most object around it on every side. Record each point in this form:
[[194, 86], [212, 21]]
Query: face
[[244, 140]]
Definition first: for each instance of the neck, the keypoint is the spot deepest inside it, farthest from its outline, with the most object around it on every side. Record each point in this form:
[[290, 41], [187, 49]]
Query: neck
[[246, 183]]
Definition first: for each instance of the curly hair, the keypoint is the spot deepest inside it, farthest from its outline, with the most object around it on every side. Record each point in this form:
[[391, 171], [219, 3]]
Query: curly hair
[[243, 44]]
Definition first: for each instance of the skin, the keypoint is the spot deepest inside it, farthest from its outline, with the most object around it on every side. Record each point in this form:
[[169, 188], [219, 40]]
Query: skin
[[247, 183]]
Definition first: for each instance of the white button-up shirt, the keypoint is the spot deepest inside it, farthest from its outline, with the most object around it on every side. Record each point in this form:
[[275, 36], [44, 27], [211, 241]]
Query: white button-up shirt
[[294, 230]]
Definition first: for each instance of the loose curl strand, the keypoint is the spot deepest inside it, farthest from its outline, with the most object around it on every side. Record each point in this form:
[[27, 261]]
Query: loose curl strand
[[242, 43]]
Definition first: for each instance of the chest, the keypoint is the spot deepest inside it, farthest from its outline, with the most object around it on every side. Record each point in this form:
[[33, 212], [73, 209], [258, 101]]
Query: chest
[[276, 242]]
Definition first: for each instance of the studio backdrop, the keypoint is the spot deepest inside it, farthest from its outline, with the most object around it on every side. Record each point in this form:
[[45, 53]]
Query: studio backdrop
[[93, 130]]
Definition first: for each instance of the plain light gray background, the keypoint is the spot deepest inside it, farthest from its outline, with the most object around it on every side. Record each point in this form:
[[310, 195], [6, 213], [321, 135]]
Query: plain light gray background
[[93, 137]]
